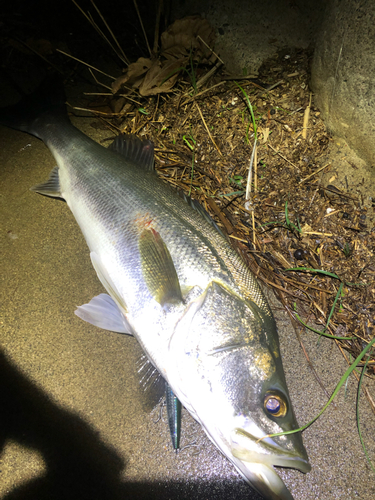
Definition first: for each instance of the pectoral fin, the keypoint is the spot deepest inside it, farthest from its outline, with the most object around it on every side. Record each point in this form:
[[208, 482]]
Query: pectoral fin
[[158, 269], [103, 312]]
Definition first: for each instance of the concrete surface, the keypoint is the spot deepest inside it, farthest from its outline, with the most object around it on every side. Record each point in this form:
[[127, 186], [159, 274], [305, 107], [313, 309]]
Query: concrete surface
[[342, 74], [72, 425], [250, 31]]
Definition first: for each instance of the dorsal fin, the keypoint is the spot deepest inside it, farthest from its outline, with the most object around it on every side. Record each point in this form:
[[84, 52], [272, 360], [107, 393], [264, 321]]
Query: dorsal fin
[[135, 150], [201, 210]]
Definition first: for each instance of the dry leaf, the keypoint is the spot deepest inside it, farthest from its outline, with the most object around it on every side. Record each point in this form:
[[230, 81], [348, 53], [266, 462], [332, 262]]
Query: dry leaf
[[134, 74], [178, 44], [161, 77], [181, 38]]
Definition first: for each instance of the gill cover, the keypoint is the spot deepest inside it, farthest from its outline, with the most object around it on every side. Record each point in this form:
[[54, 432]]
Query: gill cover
[[231, 351]]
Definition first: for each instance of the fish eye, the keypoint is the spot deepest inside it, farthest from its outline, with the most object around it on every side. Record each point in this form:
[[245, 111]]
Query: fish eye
[[275, 405]]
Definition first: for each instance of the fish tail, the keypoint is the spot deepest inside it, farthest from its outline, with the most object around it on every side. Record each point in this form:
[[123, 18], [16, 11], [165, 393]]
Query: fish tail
[[34, 111]]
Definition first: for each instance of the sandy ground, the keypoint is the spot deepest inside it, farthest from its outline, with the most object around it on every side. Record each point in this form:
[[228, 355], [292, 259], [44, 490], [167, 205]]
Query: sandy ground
[[72, 424]]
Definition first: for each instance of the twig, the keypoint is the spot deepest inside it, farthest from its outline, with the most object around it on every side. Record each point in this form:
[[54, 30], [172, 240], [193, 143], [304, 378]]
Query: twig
[[156, 110], [99, 83], [208, 75], [316, 172], [203, 92], [157, 26], [123, 58], [39, 54], [240, 77], [253, 222], [283, 157], [306, 119], [88, 65], [317, 233], [271, 87], [217, 211], [92, 111], [99, 31], [204, 123], [236, 238], [249, 176], [209, 48], [143, 29]]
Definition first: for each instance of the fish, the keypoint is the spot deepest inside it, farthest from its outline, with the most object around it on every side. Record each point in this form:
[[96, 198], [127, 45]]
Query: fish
[[174, 282]]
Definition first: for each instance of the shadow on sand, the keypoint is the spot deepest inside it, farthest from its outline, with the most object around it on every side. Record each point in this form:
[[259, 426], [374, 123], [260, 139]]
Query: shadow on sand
[[79, 465]]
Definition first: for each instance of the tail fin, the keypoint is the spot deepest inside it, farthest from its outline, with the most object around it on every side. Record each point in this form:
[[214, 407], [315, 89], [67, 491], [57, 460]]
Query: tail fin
[[31, 112]]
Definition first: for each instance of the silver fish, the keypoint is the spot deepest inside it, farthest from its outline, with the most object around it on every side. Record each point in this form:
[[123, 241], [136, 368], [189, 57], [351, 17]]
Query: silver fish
[[176, 284]]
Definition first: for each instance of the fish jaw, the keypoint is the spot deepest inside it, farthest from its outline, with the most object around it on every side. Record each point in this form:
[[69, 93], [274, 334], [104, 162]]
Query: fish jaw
[[253, 449], [255, 460], [264, 480]]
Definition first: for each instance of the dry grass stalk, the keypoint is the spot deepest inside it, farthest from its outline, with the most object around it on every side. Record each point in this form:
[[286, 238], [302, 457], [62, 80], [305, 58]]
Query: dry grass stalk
[[143, 28], [86, 64], [314, 173], [306, 117], [122, 55], [208, 132]]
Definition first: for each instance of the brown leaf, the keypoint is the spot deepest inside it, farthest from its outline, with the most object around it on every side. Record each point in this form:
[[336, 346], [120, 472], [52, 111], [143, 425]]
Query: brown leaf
[[134, 74], [177, 43], [161, 77], [181, 38]]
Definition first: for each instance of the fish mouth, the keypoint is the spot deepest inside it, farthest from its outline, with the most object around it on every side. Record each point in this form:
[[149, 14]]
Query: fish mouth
[[264, 480], [255, 460], [249, 448]]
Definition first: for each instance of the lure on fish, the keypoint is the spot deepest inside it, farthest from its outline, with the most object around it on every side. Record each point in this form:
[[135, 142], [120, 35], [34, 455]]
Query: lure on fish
[[174, 417], [176, 284]]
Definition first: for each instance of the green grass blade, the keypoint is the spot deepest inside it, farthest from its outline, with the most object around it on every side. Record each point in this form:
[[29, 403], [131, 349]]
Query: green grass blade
[[247, 100], [310, 270], [338, 294], [288, 223], [321, 332]]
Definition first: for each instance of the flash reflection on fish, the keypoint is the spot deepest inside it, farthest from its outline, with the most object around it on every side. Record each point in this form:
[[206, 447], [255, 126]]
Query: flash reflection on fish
[[176, 284]]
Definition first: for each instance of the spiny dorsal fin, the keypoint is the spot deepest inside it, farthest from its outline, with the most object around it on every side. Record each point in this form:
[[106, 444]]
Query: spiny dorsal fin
[[201, 210], [135, 150]]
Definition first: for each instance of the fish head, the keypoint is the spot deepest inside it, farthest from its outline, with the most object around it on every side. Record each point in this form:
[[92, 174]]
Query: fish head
[[229, 375]]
